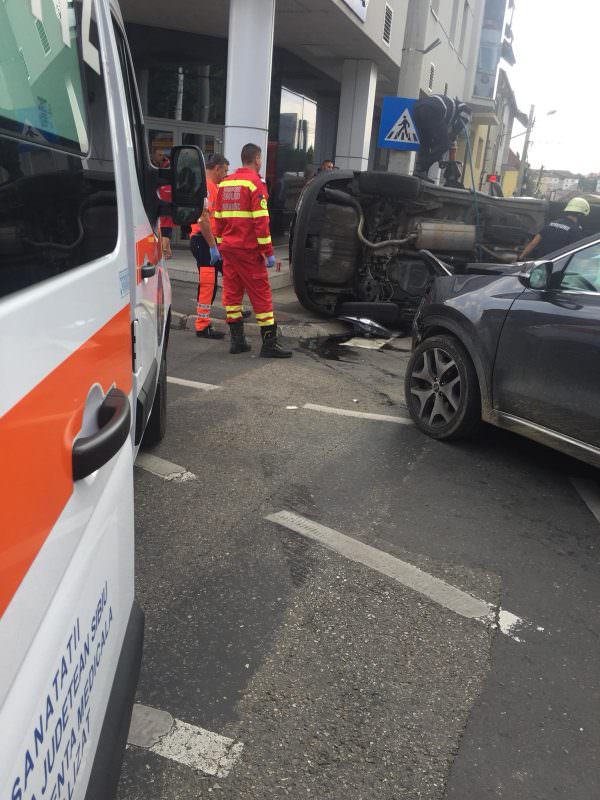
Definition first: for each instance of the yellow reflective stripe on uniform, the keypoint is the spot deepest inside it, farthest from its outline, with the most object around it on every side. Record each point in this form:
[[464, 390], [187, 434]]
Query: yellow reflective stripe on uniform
[[262, 323], [245, 184], [264, 315], [233, 214], [263, 240], [218, 239], [233, 308], [234, 315], [240, 214]]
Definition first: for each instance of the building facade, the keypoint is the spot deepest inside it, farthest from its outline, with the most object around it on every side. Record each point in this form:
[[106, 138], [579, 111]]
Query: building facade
[[305, 79]]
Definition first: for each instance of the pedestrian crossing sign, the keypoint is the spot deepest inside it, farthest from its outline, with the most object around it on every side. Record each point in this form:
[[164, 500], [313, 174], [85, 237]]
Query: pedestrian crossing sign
[[397, 130]]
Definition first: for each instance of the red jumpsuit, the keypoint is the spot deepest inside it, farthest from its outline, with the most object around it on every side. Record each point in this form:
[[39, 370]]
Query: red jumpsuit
[[244, 239], [207, 274]]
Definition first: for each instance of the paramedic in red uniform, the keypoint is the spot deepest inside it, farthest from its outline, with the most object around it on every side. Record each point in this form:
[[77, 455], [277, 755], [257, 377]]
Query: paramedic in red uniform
[[204, 248], [244, 239], [165, 195]]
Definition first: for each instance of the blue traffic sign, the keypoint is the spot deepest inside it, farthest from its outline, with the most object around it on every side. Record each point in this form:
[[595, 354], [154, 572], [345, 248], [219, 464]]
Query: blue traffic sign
[[397, 130]]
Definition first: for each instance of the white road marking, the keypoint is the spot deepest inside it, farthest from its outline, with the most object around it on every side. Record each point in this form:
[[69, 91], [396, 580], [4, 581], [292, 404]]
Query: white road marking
[[407, 574], [509, 623], [346, 412], [195, 747], [166, 470], [204, 387], [589, 493]]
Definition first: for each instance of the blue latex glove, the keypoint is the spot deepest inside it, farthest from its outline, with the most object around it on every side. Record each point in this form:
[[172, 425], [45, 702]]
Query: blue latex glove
[[270, 262], [215, 256]]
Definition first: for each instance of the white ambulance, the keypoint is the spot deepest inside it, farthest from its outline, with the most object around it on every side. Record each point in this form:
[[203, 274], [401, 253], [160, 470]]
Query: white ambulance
[[85, 304]]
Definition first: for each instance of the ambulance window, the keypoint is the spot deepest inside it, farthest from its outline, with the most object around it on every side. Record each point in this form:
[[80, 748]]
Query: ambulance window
[[58, 207], [133, 105]]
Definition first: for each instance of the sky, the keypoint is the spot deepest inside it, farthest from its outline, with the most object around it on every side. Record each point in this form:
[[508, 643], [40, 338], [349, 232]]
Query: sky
[[556, 47]]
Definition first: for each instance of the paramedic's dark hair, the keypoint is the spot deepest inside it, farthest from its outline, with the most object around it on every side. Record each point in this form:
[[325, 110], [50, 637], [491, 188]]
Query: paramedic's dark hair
[[249, 153], [216, 160]]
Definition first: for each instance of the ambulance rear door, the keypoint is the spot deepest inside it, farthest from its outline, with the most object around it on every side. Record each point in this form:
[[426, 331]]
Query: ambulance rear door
[[69, 628]]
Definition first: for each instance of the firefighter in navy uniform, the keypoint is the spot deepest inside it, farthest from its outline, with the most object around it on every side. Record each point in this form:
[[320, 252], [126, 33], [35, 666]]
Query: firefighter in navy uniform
[[559, 233], [439, 121], [244, 240]]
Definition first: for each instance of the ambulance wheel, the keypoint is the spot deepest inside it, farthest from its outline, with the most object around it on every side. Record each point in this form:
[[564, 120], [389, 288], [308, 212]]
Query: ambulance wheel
[[157, 424]]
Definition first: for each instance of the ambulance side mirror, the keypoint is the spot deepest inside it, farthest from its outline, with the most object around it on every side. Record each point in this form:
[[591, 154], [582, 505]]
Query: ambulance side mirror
[[188, 179]]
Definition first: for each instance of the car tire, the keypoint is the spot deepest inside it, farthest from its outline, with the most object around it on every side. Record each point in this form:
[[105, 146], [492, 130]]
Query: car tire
[[390, 184], [442, 389], [157, 422]]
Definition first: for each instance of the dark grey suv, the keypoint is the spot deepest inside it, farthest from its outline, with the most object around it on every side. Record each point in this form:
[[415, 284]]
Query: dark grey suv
[[519, 350]]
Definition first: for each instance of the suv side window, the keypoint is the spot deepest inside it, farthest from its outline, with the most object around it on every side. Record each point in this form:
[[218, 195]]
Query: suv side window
[[58, 205], [582, 273]]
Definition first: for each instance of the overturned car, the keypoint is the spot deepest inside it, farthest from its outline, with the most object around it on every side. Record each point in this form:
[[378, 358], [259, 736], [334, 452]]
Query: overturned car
[[368, 243]]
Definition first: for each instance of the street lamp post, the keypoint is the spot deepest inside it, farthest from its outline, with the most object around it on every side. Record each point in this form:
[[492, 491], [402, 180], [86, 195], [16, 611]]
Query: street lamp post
[[530, 124], [522, 166]]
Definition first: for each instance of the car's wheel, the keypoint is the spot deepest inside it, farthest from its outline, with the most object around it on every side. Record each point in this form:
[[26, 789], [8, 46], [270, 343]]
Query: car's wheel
[[390, 184], [442, 390], [157, 422]]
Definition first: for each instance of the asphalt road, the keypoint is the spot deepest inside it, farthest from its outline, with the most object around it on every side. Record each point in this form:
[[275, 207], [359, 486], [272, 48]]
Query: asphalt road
[[339, 681]]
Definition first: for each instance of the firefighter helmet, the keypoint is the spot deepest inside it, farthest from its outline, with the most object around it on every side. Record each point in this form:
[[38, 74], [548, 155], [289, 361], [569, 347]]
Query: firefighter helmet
[[578, 205]]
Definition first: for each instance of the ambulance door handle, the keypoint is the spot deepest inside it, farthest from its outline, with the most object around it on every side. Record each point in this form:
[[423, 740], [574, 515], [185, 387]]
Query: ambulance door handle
[[114, 422], [148, 270]]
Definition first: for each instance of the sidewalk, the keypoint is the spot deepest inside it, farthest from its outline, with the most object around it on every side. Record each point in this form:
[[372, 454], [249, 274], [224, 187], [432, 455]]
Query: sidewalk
[[293, 319], [182, 267]]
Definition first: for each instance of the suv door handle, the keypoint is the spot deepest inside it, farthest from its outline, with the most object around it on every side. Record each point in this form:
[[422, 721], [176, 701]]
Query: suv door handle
[[114, 420], [148, 270]]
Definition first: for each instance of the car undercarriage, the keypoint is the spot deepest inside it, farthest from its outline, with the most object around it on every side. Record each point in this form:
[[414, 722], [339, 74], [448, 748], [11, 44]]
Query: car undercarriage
[[368, 238]]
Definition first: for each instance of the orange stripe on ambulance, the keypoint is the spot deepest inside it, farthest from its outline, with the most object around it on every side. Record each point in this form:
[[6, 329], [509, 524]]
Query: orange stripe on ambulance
[[85, 307]]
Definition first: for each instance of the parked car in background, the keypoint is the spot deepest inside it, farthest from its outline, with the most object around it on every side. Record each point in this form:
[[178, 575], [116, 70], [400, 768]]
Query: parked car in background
[[519, 350]]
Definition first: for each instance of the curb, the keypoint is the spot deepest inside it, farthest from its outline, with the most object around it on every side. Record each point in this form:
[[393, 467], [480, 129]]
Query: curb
[[299, 330], [291, 330], [277, 280]]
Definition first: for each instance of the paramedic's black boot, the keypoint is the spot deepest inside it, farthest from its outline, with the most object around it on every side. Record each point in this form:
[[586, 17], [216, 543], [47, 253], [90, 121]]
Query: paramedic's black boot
[[271, 348], [239, 343], [210, 333]]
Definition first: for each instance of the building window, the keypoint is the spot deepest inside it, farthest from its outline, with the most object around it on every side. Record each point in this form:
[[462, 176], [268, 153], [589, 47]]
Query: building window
[[297, 123], [43, 36], [387, 25], [191, 92], [181, 76], [431, 77], [291, 156]]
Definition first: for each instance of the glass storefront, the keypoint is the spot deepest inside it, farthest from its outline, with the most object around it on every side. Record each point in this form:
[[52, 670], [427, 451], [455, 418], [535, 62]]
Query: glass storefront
[[195, 92], [181, 76], [297, 126], [182, 82], [291, 157]]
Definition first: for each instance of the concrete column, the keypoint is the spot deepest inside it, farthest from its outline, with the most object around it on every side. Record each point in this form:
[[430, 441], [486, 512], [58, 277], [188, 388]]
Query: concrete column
[[411, 67], [359, 83], [249, 62]]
